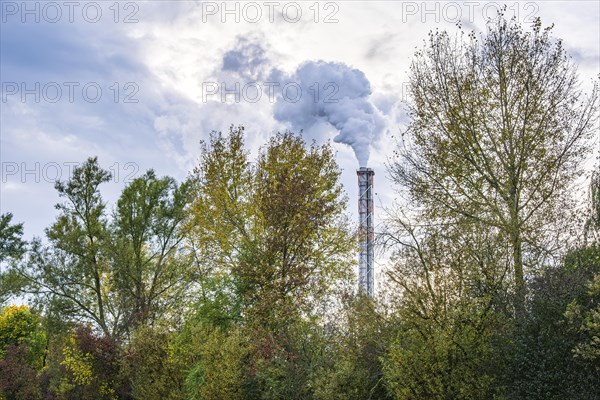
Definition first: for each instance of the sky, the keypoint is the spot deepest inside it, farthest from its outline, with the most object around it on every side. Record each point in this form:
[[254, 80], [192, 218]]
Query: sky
[[140, 83]]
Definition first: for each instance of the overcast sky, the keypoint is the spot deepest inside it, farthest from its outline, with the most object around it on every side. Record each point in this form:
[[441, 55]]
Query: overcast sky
[[139, 84]]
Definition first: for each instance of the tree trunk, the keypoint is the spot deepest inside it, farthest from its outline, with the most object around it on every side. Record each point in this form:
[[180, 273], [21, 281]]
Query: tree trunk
[[518, 270]]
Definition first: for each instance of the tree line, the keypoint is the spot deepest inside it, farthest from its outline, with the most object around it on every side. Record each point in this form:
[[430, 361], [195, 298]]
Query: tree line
[[239, 282]]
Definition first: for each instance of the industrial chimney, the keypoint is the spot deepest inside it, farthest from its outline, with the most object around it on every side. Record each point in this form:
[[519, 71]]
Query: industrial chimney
[[366, 233]]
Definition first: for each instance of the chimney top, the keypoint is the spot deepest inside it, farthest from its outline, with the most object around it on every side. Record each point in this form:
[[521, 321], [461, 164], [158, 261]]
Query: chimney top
[[362, 170]]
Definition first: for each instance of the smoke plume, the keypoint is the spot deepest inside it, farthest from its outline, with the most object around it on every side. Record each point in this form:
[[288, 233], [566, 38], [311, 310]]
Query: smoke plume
[[333, 93]]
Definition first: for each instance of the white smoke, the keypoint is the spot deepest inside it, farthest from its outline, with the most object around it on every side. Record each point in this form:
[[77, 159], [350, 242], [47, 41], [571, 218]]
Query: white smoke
[[318, 95], [333, 93]]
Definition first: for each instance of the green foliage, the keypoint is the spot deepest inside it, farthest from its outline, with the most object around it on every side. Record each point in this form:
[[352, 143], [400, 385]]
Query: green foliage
[[74, 267], [550, 342], [302, 360], [556, 340], [354, 346], [219, 373], [116, 273], [588, 325], [451, 313], [302, 244], [270, 241], [19, 325], [277, 227], [22, 353], [11, 284], [499, 132], [12, 248], [11, 244], [583, 312], [282, 362], [149, 268], [152, 367], [217, 303]]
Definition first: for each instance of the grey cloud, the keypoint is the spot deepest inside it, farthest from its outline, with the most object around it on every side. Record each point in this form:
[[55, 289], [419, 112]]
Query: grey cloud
[[248, 59], [381, 46]]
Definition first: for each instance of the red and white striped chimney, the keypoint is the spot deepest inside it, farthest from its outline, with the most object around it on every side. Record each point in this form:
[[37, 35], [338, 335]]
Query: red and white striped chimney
[[366, 282]]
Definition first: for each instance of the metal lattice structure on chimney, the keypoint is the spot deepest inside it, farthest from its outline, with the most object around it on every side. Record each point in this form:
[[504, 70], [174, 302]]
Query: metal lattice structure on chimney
[[366, 282]]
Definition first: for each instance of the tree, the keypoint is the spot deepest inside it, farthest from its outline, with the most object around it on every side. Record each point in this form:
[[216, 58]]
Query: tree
[[592, 225], [277, 229], [449, 282], [18, 379], [584, 316], [352, 350], [498, 132], [19, 325], [89, 367], [220, 216], [12, 247], [583, 311], [74, 268], [556, 340], [302, 244], [22, 352], [277, 226], [553, 342], [219, 373], [150, 270], [115, 273], [11, 244], [151, 367]]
